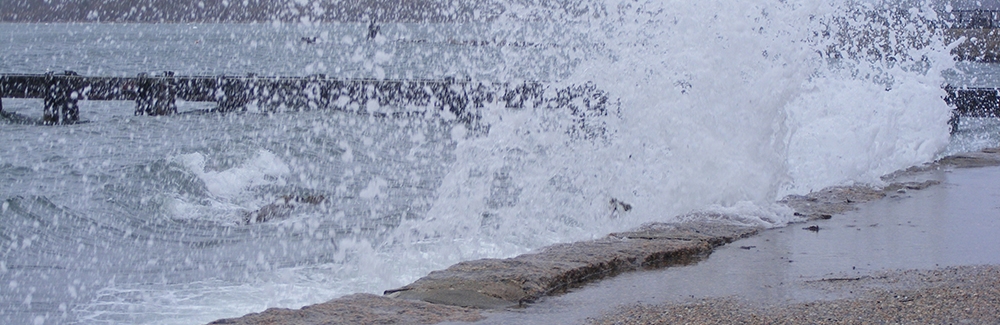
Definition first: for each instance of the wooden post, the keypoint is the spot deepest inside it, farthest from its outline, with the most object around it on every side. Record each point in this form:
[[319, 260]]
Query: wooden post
[[453, 97], [156, 96], [233, 94], [60, 100], [313, 92]]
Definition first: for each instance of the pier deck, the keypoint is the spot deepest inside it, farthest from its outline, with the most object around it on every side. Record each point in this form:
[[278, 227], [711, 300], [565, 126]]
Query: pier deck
[[157, 94]]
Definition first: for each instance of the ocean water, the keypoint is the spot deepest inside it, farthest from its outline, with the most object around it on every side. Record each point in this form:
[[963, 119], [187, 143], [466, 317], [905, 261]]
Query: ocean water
[[713, 106]]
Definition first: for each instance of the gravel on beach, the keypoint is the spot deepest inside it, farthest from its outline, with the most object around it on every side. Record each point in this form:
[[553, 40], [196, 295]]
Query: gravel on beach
[[953, 295]]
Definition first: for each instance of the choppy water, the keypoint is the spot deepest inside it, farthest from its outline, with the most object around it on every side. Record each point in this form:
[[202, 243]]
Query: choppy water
[[715, 105], [341, 50]]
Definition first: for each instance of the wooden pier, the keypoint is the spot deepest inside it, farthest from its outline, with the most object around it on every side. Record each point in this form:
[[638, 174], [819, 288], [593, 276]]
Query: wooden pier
[[158, 94], [972, 101], [463, 98]]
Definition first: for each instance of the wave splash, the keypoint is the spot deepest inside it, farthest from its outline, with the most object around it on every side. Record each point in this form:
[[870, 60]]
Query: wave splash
[[718, 106], [714, 106]]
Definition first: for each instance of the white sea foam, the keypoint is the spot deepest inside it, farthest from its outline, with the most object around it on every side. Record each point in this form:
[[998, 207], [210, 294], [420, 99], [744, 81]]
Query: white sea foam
[[847, 131], [227, 188], [374, 189], [265, 168], [203, 301], [724, 106]]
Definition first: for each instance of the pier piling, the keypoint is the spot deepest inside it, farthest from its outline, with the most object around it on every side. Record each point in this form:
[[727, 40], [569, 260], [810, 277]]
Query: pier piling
[[156, 96], [60, 100], [972, 101], [234, 94]]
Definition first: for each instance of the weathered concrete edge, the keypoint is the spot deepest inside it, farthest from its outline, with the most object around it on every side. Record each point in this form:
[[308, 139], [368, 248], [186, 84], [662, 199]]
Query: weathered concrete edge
[[501, 283]]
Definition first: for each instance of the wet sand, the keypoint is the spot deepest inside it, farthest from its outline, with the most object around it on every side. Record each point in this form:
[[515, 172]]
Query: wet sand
[[954, 295], [916, 256]]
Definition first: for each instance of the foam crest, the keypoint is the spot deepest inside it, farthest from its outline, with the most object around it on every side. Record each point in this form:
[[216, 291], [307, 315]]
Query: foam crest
[[264, 169]]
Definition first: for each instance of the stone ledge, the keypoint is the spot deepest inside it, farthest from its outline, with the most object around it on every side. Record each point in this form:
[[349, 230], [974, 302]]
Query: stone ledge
[[501, 283]]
